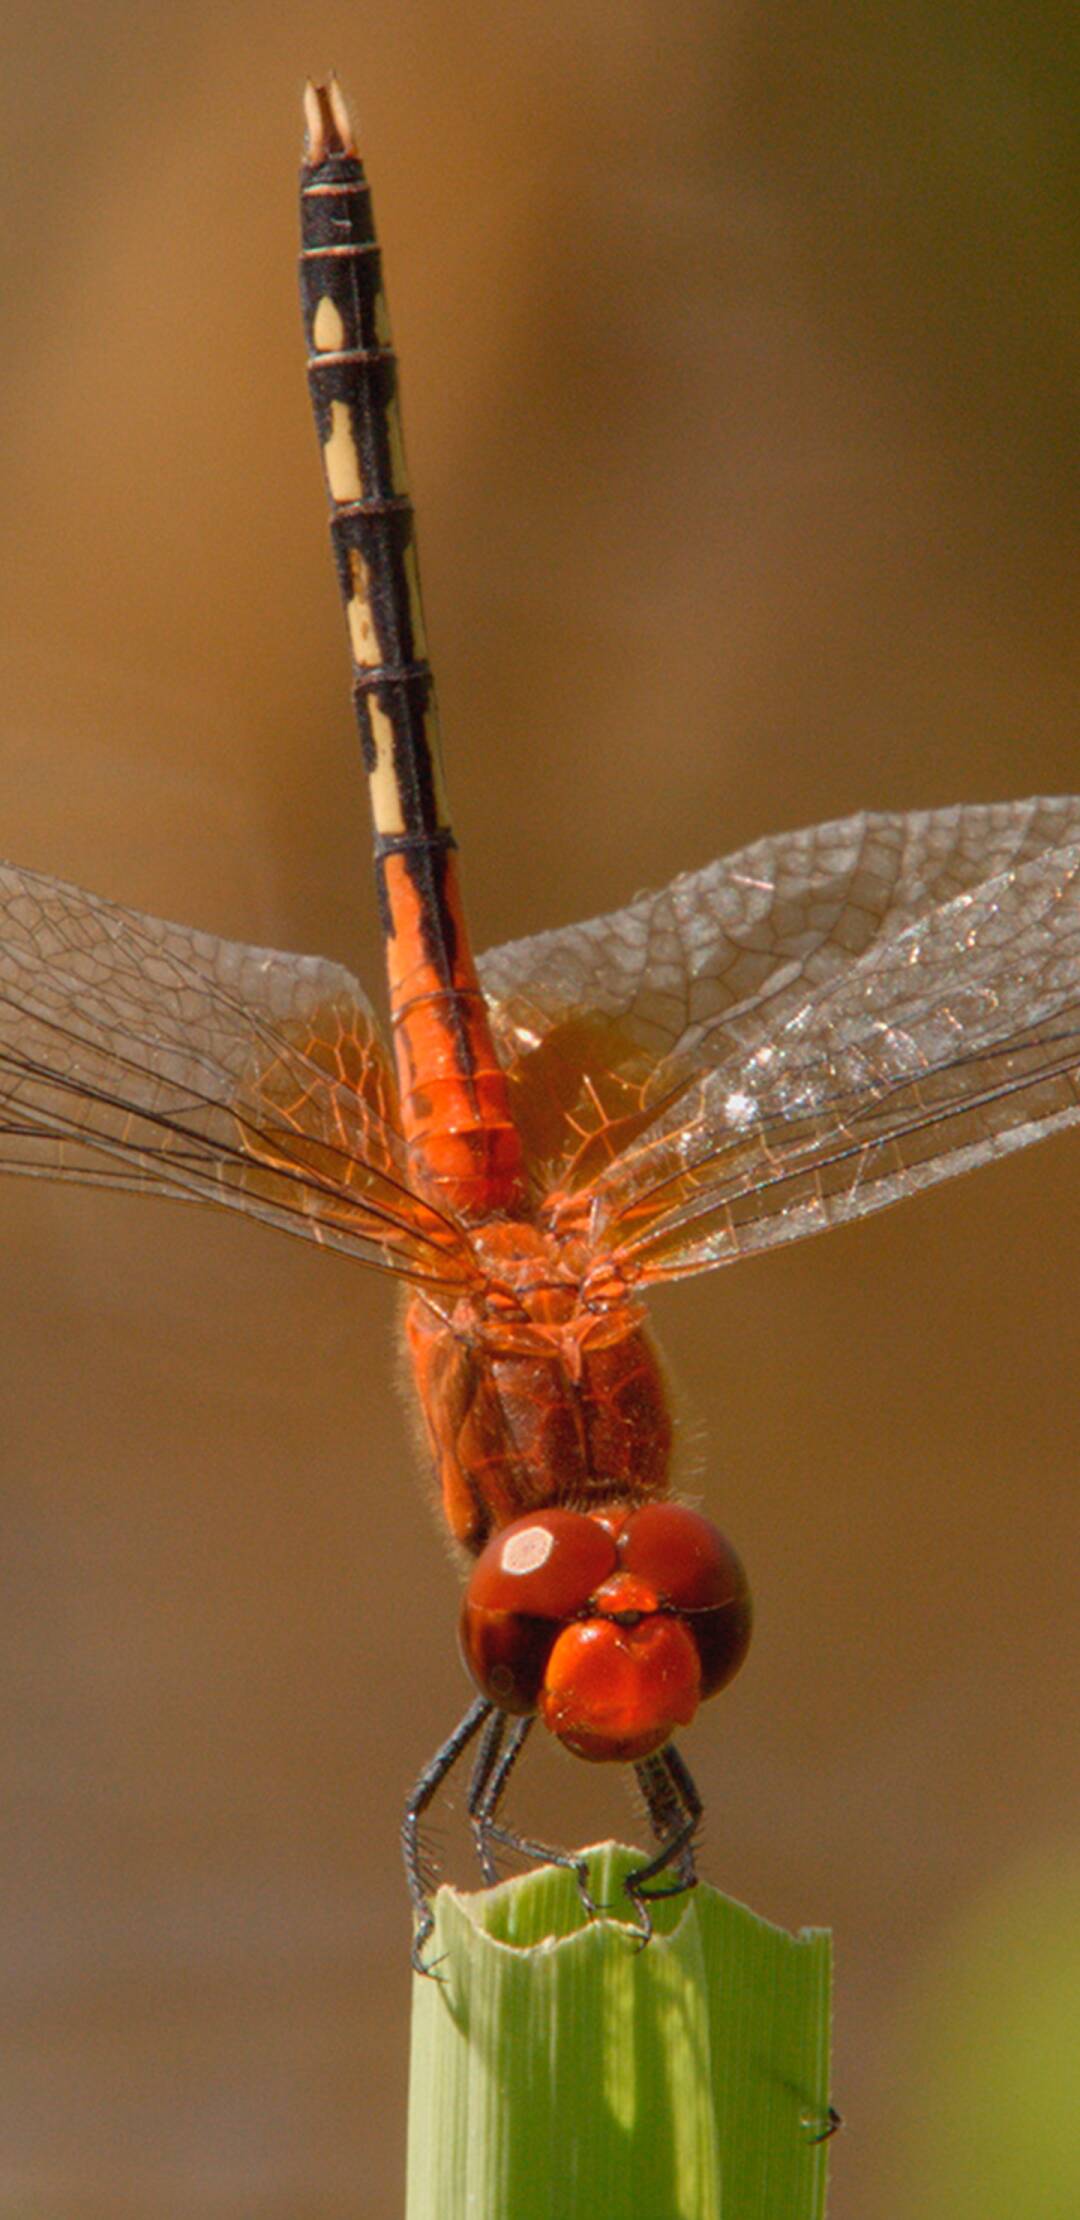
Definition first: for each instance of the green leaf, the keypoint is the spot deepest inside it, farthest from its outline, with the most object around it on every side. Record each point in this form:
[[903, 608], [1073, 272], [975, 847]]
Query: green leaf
[[559, 2068]]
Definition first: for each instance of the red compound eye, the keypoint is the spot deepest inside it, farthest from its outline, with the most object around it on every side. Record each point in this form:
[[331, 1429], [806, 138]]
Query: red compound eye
[[533, 1576], [614, 1627], [694, 1570]]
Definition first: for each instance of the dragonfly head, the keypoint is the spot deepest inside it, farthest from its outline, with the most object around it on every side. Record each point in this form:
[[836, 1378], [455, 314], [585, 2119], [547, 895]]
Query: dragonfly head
[[613, 1624]]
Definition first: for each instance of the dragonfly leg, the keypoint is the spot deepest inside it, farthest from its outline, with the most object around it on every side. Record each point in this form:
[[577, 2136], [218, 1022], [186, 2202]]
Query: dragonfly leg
[[490, 1775], [675, 1810], [670, 1799], [485, 1804], [427, 1787]]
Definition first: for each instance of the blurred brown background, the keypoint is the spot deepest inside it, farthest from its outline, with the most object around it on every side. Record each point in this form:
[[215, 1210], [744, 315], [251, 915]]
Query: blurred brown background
[[736, 349]]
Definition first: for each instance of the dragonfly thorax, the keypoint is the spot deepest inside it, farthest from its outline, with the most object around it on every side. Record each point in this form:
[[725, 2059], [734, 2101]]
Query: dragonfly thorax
[[539, 1295], [541, 1386]]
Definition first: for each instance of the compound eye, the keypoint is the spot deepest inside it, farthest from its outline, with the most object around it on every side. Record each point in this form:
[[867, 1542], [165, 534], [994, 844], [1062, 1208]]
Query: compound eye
[[532, 1576], [547, 1565], [695, 1571]]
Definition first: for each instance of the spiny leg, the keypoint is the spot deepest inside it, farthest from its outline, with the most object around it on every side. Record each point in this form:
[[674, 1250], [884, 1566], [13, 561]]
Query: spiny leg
[[491, 1744], [427, 1787], [489, 1785], [674, 1809], [680, 1801]]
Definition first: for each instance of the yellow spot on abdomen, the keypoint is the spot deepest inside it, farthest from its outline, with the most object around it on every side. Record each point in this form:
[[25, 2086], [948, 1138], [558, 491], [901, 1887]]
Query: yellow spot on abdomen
[[358, 611], [341, 458], [382, 319], [362, 636], [386, 808], [328, 330]]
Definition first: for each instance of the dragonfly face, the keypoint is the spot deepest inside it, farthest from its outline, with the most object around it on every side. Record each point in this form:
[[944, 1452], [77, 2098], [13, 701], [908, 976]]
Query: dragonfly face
[[613, 1625], [824, 1023]]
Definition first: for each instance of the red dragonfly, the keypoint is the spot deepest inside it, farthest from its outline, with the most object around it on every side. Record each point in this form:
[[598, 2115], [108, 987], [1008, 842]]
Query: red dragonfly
[[814, 1027]]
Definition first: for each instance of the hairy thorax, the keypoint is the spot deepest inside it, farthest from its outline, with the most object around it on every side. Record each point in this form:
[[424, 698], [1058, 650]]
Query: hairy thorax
[[539, 1386]]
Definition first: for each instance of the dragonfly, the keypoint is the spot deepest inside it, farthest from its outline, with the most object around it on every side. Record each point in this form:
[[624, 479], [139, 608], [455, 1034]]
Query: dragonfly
[[812, 1028]]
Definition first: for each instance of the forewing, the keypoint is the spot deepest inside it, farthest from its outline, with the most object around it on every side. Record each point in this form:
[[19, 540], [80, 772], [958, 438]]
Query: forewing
[[607, 1028], [143, 1055], [954, 1042]]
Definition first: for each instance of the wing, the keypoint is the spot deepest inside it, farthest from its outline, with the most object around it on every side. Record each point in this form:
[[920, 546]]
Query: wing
[[142, 1055], [821, 1024], [954, 1043]]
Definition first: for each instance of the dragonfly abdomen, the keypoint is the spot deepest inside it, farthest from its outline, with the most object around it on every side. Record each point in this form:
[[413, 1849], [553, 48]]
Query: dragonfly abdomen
[[464, 1148]]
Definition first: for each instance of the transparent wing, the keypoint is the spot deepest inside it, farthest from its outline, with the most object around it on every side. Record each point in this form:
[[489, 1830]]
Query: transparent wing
[[951, 1043], [143, 1055], [610, 1030]]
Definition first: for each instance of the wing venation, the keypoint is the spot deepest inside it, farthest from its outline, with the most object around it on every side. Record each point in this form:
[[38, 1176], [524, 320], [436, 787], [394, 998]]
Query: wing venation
[[950, 1045], [806, 1030], [147, 1056]]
